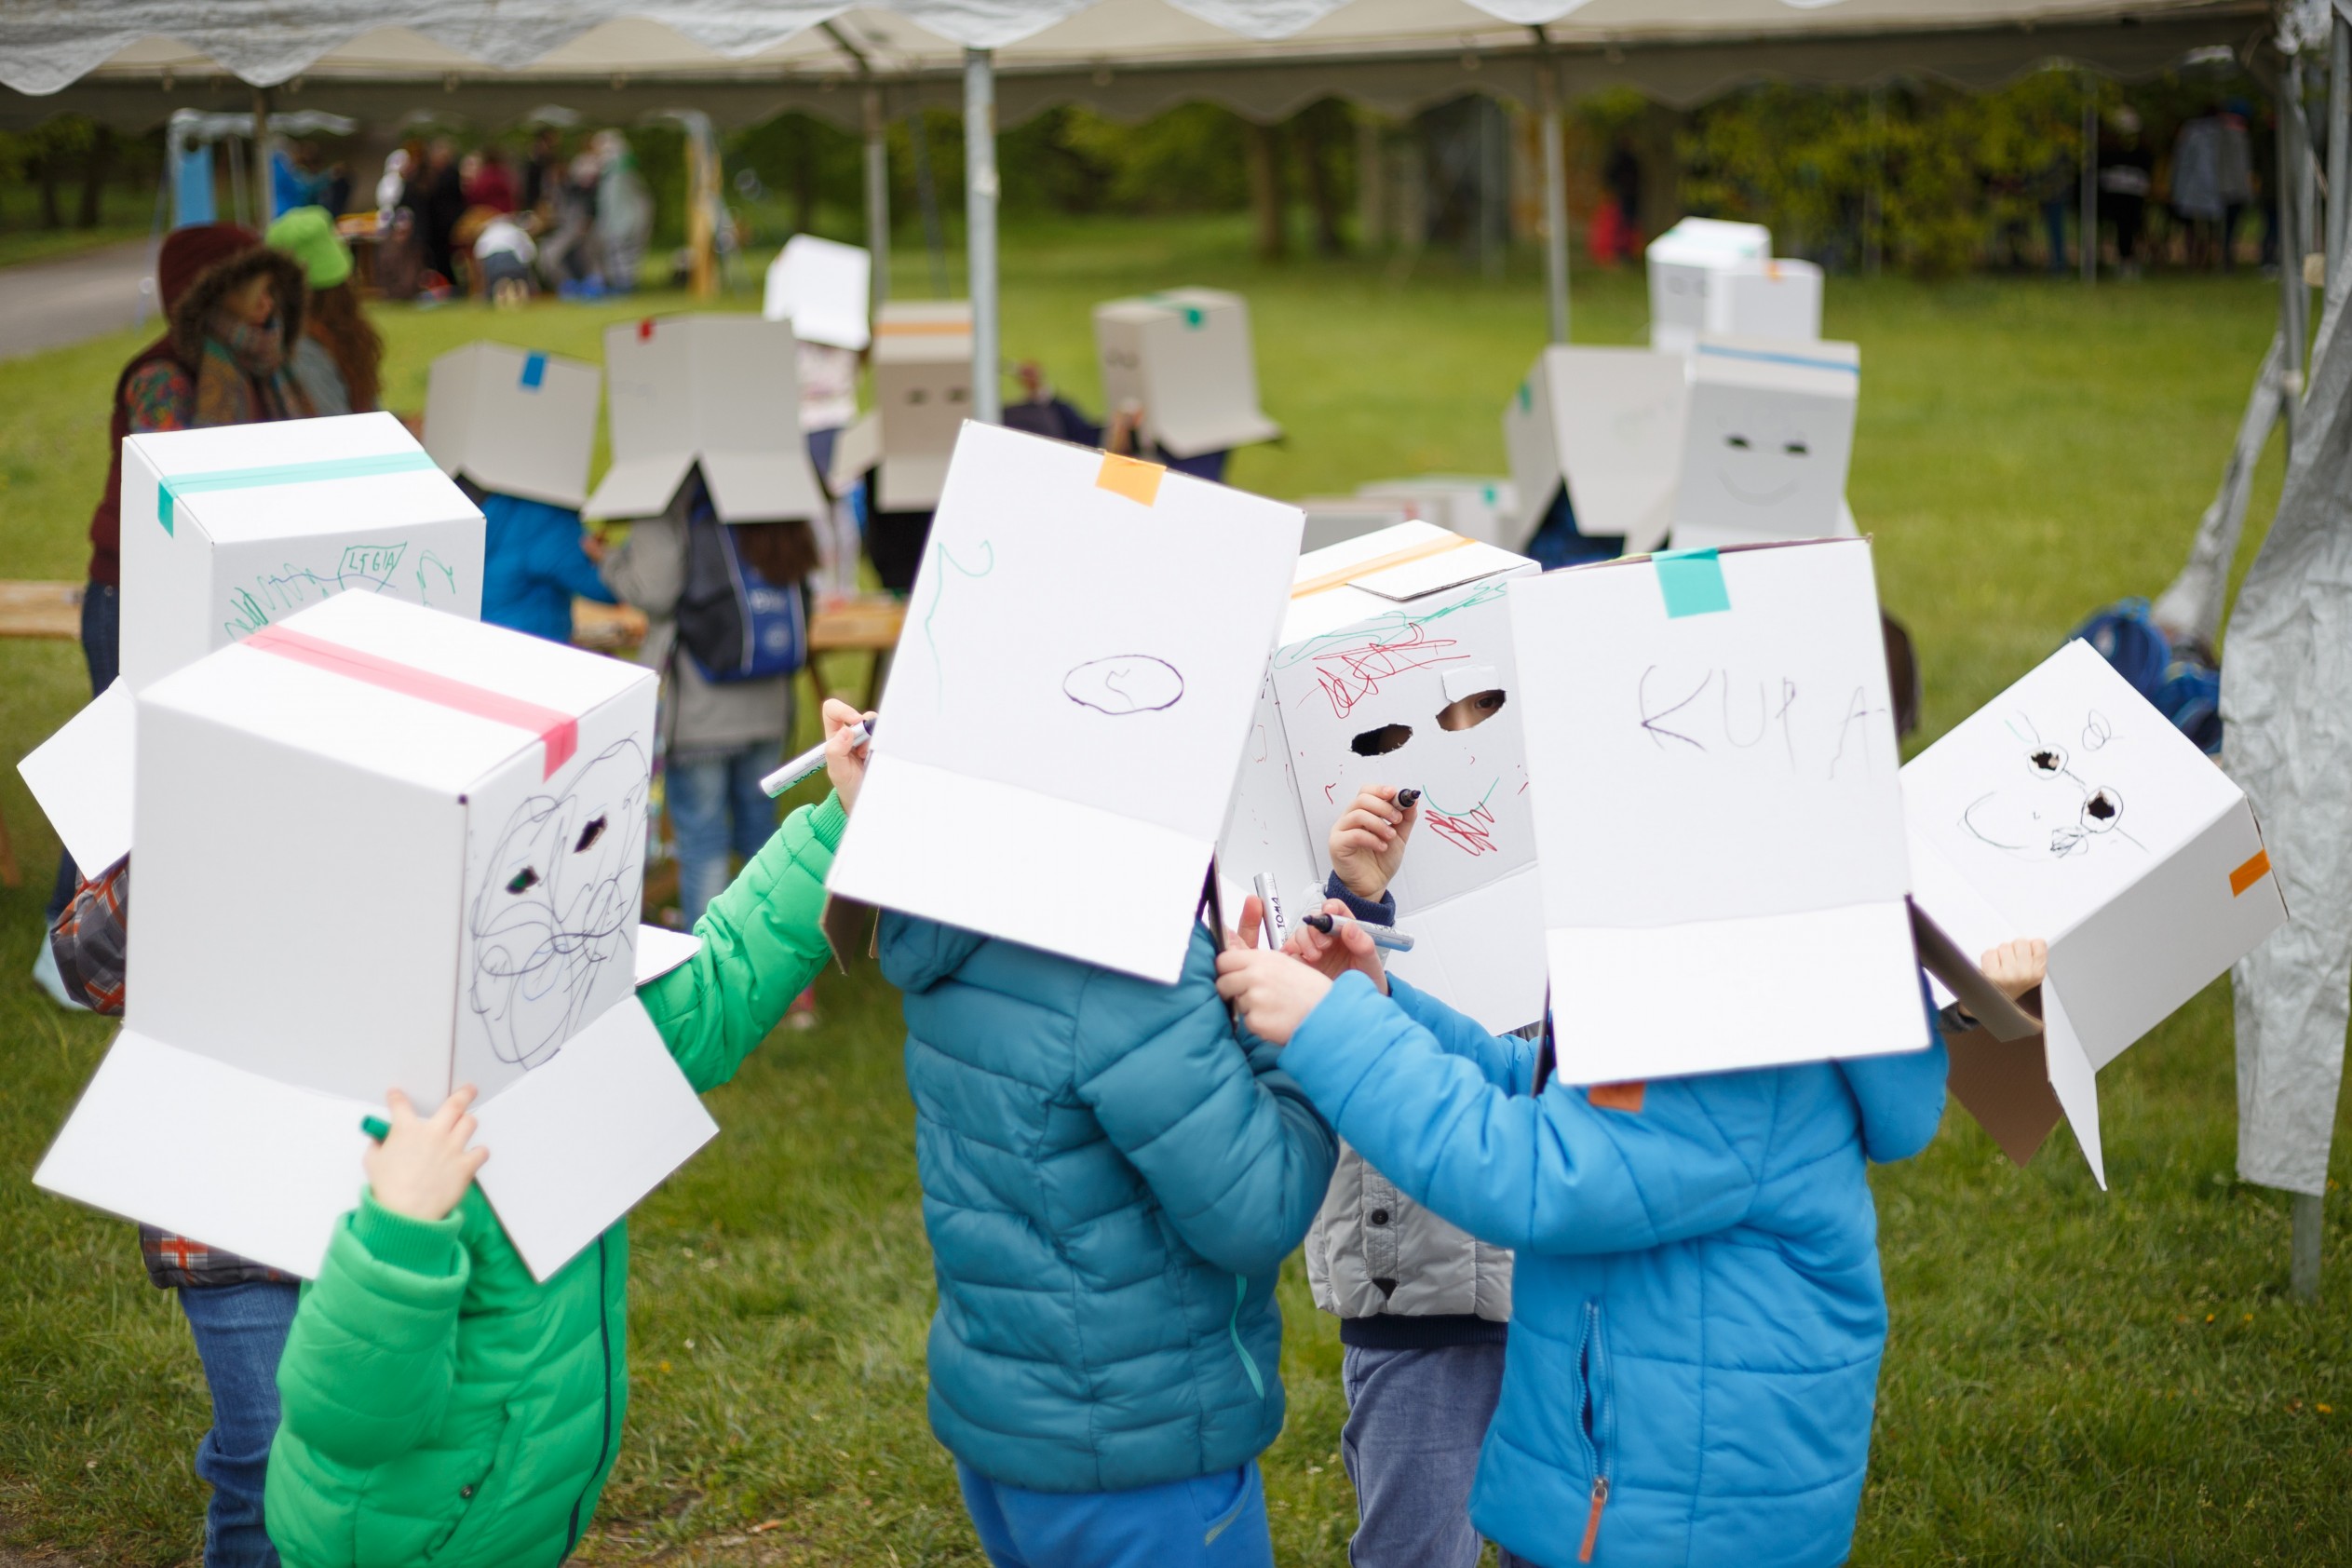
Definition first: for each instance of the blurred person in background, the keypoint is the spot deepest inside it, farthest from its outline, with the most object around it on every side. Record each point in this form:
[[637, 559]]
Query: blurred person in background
[[489, 184], [436, 194], [569, 257], [2127, 173], [339, 358], [543, 174], [624, 212]]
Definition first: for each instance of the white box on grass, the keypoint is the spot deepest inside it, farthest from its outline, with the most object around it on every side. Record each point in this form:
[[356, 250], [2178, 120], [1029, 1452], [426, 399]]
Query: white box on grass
[[1782, 299], [822, 287], [380, 847], [921, 392], [1396, 667], [1711, 743], [1685, 262], [1084, 643], [1184, 355], [1770, 435], [514, 420], [1606, 423], [720, 392], [2068, 808]]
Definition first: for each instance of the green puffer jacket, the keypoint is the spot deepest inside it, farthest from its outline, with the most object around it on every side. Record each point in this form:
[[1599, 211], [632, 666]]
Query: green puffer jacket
[[440, 1406]]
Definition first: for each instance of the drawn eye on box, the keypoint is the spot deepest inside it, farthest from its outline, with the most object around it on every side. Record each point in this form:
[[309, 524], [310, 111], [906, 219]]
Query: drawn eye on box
[[2058, 810]]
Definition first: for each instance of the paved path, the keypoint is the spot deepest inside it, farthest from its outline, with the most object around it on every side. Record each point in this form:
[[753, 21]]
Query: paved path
[[47, 304]]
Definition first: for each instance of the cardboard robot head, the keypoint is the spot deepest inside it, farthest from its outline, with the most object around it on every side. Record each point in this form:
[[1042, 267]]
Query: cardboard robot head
[[1769, 437]]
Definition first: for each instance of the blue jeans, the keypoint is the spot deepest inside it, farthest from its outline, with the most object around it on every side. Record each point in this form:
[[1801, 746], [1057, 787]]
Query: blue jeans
[[1210, 1521], [717, 807], [240, 1333], [1415, 1422], [101, 652]]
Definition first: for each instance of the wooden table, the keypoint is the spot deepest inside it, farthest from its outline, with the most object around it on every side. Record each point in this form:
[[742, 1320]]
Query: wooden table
[[35, 609], [860, 626]]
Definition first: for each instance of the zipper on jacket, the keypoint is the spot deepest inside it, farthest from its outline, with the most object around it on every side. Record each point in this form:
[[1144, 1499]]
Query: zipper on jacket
[[1233, 1327], [1594, 1421]]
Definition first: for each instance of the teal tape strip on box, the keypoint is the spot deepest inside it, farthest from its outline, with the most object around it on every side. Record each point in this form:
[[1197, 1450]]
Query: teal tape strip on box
[[1691, 582], [286, 473]]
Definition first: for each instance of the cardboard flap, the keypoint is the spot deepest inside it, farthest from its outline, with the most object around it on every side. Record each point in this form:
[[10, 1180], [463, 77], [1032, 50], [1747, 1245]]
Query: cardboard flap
[[778, 486], [1437, 573], [1942, 957], [855, 450], [202, 1149], [2074, 1081], [580, 1140], [660, 949], [843, 921], [82, 776], [638, 488], [822, 287], [913, 483], [2004, 1085], [1194, 437], [515, 421]]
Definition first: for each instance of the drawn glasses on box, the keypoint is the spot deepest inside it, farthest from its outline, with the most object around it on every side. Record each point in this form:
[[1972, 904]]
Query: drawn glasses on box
[[557, 901], [2055, 808]]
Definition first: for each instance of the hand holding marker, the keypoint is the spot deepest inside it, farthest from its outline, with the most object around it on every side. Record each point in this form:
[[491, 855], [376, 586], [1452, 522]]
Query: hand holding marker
[[1387, 937], [810, 761]]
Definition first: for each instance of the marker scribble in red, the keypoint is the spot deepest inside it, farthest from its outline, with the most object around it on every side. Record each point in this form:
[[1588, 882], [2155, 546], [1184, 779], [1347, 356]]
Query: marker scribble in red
[[1349, 675], [1473, 833]]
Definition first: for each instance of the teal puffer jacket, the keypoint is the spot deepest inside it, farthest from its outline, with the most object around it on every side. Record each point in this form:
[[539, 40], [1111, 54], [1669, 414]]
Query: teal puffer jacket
[[1111, 1180]]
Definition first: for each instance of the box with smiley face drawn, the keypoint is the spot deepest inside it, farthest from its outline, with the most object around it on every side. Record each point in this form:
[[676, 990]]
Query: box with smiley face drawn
[[1769, 434], [382, 848], [1396, 668]]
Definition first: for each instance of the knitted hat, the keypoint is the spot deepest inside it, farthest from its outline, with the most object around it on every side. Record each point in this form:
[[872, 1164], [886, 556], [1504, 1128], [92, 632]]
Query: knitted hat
[[307, 234], [191, 252]]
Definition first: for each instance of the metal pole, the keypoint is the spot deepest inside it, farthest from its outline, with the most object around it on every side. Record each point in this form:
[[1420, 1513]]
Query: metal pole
[[878, 194], [2339, 140], [2089, 244], [1555, 205], [262, 213], [979, 226]]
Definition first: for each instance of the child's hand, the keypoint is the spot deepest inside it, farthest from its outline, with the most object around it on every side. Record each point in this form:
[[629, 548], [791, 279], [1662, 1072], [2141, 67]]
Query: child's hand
[[1344, 948], [1273, 992], [423, 1167], [845, 764], [2017, 968], [1367, 842], [1252, 925]]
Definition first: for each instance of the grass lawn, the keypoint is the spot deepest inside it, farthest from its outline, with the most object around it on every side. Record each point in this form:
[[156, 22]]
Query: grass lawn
[[2073, 1376]]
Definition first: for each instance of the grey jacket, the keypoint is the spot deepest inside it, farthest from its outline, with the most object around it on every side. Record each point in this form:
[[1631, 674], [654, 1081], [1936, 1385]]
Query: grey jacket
[[1374, 1254], [648, 570]]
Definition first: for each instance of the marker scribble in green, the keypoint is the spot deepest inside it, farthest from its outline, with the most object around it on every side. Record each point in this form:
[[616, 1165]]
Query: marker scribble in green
[[945, 560]]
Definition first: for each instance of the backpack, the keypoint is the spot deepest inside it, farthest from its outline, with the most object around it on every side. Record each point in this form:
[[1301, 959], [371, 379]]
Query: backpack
[[2182, 680], [734, 623]]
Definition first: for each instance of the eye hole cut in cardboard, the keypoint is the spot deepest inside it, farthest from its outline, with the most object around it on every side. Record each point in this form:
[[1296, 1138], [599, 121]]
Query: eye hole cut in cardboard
[[1467, 713], [1380, 742]]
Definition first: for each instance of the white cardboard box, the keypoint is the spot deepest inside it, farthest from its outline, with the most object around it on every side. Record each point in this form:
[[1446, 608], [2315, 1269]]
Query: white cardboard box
[[1084, 643], [1770, 435], [718, 391], [2068, 808], [514, 420], [1685, 263], [921, 392], [233, 528], [463, 809], [1391, 643], [822, 287], [1711, 743], [1782, 299], [1184, 355], [1607, 423], [1481, 507]]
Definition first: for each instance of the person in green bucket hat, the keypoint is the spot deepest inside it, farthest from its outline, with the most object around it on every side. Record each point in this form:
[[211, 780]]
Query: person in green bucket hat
[[339, 358]]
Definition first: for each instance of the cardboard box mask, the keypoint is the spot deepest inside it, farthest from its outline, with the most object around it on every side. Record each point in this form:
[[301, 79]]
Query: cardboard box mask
[[1396, 667], [1781, 300], [1710, 746], [514, 420], [923, 392], [718, 391], [381, 849], [1685, 264], [2068, 808], [1084, 643], [1607, 423], [1184, 355], [1769, 438], [822, 287]]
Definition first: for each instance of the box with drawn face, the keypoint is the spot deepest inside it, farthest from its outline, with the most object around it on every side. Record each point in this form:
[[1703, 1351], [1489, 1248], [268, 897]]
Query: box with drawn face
[[1685, 264], [1396, 668], [923, 393], [514, 420], [1184, 356], [1607, 423], [1768, 441], [720, 392], [382, 848], [229, 529], [2068, 808], [1782, 299]]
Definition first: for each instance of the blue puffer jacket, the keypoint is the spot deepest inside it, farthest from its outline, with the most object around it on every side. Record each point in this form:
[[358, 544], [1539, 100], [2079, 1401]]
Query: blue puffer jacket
[[532, 566], [1111, 1184], [1697, 1316]]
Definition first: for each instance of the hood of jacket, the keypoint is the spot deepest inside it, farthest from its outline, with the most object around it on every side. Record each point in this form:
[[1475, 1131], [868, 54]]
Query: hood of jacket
[[917, 954], [192, 309]]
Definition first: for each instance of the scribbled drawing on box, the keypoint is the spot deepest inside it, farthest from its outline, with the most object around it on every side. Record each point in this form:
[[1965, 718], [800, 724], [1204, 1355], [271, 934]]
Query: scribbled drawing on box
[[1125, 683], [557, 901], [2055, 810], [274, 594]]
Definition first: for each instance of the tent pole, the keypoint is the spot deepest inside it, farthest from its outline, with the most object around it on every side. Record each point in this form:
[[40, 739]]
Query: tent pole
[[979, 222], [262, 213], [2089, 242], [878, 194], [1555, 204], [2339, 140]]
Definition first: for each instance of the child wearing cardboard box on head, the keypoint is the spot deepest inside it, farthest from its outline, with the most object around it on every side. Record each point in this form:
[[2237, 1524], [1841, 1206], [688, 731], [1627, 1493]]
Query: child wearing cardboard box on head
[[1696, 1316]]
